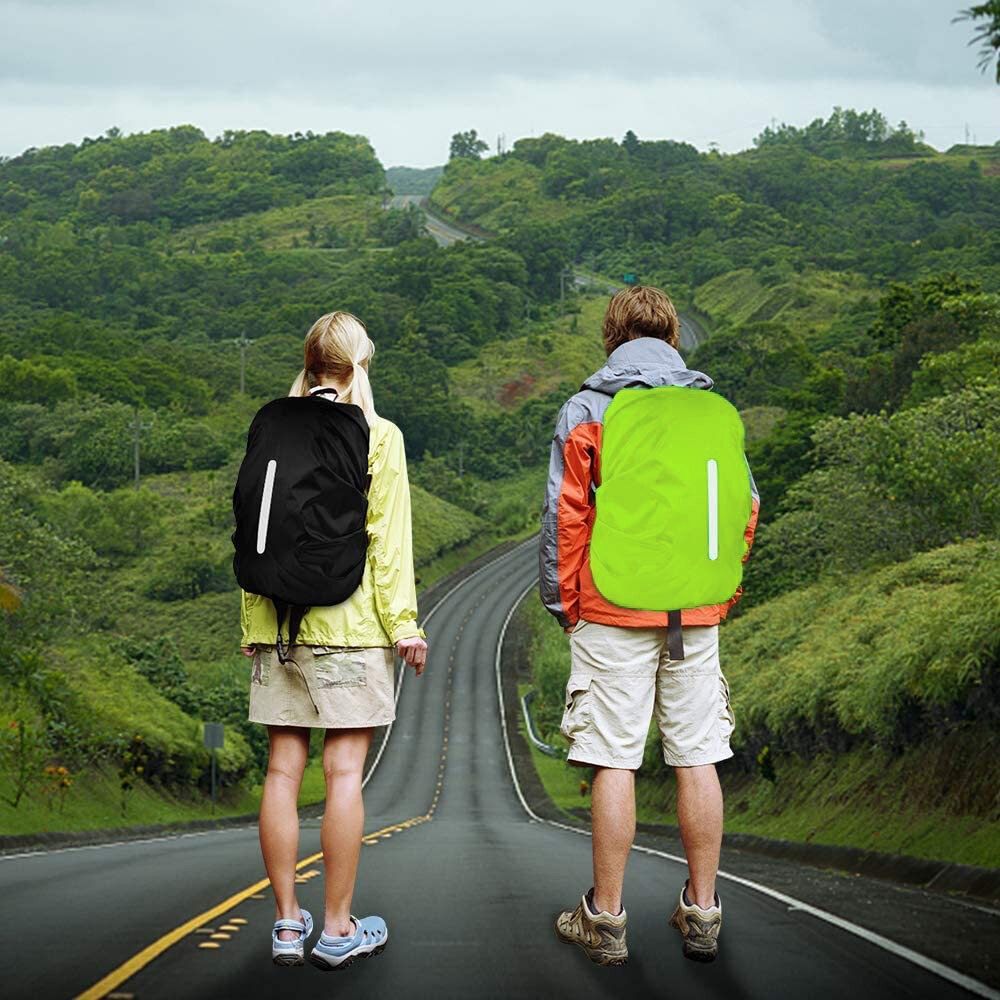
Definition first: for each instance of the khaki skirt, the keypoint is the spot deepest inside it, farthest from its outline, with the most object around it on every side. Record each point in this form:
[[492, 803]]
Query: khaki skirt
[[332, 687]]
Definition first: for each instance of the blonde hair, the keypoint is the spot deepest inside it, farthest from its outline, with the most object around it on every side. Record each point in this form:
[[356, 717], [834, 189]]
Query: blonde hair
[[337, 345], [640, 311]]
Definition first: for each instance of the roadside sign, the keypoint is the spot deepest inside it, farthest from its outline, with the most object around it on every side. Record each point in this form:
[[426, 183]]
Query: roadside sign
[[214, 736]]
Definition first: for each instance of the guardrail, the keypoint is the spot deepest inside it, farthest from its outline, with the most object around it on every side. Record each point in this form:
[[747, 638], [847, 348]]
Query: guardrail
[[550, 751]]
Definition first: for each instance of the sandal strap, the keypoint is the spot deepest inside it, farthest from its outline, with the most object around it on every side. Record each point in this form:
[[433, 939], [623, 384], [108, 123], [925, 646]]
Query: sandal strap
[[289, 925]]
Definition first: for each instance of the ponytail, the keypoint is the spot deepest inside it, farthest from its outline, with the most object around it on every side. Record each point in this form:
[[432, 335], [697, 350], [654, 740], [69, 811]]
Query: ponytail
[[359, 392], [300, 387]]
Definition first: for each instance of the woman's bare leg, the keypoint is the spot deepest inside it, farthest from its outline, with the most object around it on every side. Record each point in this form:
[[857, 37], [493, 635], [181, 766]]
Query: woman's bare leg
[[279, 818], [344, 753]]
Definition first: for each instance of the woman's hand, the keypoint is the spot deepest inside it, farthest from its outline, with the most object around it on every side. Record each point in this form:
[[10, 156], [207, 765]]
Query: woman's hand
[[414, 652], [247, 650]]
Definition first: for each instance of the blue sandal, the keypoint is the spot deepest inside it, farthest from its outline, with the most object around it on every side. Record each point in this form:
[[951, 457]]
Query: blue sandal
[[291, 952], [332, 953]]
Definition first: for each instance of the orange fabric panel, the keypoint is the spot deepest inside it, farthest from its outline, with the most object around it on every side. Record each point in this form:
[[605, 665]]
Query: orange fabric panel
[[575, 514]]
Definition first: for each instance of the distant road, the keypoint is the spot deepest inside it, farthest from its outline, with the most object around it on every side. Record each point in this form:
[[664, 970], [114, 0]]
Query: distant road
[[446, 233]]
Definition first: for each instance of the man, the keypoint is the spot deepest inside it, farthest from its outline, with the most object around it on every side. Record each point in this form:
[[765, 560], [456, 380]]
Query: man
[[620, 662]]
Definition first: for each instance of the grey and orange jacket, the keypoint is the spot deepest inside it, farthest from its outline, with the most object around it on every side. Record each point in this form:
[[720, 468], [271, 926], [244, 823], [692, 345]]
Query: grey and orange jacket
[[565, 584]]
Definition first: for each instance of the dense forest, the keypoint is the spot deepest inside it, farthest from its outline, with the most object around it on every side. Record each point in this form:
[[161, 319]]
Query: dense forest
[[847, 275]]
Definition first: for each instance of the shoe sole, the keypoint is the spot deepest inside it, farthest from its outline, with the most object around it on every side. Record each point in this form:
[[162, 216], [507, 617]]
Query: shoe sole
[[322, 963], [694, 954], [288, 960], [597, 958]]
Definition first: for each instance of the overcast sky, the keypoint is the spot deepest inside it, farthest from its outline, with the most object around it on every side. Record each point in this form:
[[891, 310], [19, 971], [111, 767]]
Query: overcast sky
[[409, 74]]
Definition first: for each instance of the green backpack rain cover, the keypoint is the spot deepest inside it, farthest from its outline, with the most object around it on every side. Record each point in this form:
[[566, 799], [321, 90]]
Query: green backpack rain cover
[[674, 500]]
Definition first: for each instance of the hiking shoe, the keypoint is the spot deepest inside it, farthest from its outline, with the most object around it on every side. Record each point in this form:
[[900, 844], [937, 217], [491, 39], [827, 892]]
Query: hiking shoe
[[335, 953], [601, 935], [290, 952], [699, 928]]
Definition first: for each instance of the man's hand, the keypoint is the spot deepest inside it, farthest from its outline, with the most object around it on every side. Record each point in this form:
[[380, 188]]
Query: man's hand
[[247, 650], [569, 628], [414, 652]]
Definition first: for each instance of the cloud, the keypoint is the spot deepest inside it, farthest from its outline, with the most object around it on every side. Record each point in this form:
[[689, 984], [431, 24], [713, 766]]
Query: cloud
[[409, 75]]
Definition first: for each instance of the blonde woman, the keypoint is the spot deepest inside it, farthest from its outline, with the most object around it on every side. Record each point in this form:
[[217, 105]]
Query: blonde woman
[[339, 673]]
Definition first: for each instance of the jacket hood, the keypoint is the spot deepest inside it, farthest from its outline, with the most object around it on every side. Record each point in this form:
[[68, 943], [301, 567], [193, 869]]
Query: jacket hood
[[645, 361]]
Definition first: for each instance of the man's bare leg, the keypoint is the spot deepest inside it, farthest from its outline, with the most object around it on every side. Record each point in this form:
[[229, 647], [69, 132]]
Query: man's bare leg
[[613, 819], [699, 814]]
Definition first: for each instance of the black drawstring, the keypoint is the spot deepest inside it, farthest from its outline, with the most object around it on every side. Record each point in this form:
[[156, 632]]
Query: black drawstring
[[295, 612]]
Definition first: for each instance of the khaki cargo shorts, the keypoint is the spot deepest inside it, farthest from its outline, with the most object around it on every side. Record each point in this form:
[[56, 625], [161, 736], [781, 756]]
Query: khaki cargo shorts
[[620, 674], [333, 687]]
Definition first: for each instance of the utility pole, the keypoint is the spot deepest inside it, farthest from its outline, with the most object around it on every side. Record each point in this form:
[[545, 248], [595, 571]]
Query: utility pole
[[137, 426], [243, 343], [565, 273]]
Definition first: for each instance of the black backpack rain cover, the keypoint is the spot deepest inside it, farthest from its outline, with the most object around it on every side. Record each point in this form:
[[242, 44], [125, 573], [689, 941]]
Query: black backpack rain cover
[[300, 505]]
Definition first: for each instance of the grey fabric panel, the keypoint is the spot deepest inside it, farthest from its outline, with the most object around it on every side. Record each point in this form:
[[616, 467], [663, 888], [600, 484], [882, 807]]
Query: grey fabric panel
[[645, 361], [580, 408]]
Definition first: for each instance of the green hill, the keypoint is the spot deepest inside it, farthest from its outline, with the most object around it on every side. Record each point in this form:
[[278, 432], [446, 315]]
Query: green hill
[[848, 277], [866, 711]]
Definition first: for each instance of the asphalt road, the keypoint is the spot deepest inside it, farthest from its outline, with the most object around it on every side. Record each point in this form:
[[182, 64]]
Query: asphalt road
[[468, 884]]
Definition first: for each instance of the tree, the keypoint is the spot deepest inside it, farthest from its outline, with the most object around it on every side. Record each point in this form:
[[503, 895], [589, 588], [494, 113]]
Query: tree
[[630, 143], [988, 34], [467, 146]]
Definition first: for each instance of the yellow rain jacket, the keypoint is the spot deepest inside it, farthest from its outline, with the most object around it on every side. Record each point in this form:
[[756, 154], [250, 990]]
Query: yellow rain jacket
[[383, 609]]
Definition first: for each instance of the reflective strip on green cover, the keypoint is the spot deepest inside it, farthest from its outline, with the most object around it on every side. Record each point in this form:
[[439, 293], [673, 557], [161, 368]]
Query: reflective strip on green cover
[[658, 544]]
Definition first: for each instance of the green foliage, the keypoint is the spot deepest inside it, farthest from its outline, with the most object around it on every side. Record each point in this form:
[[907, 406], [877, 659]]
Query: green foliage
[[941, 374], [844, 132], [886, 487], [161, 664], [23, 752], [397, 225], [113, 524], [437, 476], [180, 176], [48, 568], [32, 382], [188, 571], [885, 656], [987, 32], [755, 365], [467, 145]]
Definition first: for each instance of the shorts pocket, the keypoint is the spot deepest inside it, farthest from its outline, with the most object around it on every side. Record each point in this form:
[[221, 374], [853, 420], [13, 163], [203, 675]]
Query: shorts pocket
[[580, 622], [261, 663], [727, 711], [340, 667], [577, 711]]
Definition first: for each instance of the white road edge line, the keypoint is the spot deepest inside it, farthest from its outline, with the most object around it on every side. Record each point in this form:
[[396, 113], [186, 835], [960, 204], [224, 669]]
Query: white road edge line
[[901, 951], [207, 833]]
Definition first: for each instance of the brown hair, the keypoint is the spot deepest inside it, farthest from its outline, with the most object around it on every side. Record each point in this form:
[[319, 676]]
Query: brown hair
[[338, 345], [640, 311]]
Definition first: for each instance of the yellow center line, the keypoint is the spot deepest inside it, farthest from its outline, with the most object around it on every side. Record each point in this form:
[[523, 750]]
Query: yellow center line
[[141, 959]]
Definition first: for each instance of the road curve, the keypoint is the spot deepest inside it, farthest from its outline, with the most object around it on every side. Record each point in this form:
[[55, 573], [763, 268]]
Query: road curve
[[468, 883]]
